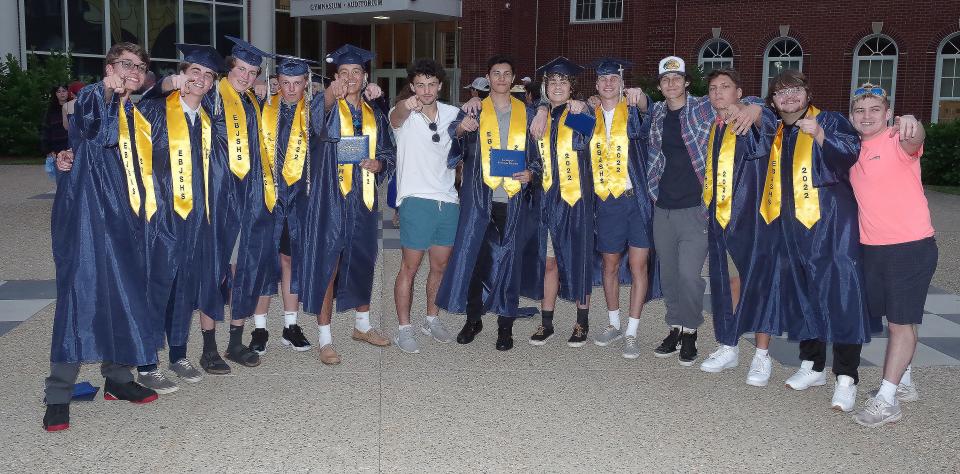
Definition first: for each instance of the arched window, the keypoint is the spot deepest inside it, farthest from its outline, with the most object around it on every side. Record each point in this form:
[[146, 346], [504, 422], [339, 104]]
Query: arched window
[[782, 54], [875, 61], [716, 54], [946, 88]]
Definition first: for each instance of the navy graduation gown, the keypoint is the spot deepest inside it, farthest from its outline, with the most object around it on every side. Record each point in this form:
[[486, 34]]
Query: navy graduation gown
[[753, 246], [508, 268], [292, 199], [173, 243], [823, 286], [98, 245], [241, 213], [337, 227], [571, 227]]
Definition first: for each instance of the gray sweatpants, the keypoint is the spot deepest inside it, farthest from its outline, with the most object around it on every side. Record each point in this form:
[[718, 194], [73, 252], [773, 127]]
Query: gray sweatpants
[[59, 385], [680, 240]]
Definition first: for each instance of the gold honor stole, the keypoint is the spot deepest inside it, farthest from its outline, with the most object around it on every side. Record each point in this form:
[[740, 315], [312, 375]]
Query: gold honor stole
[[724, 175], [569, 171], [369, 124], [181, 157], [238, 140], [609, 156], [144, 145], [490, 139], [806, 198], [296, 145]]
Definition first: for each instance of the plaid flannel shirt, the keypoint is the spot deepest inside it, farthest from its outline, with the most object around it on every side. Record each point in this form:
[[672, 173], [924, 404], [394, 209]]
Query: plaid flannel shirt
[[695, 120]]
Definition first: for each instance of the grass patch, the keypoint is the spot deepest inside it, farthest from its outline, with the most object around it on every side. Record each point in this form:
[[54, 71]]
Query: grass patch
[[945, 189]]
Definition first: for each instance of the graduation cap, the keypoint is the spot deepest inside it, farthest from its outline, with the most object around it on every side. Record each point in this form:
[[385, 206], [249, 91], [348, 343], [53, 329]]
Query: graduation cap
[[349, 54], [560, 65], [246, 52], [292, 65], [201, 54], [606, 66]]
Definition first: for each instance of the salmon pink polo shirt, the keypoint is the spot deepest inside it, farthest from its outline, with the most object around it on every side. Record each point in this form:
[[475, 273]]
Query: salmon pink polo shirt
[[886, 182]]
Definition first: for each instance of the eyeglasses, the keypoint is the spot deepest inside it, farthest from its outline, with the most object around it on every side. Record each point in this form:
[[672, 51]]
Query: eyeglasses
[[878, 91], [129, 65], [790, 91], [433, 128]]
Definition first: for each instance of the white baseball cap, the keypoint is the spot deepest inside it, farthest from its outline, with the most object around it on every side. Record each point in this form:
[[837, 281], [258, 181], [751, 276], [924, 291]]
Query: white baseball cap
[[672, 64], [480, 84]]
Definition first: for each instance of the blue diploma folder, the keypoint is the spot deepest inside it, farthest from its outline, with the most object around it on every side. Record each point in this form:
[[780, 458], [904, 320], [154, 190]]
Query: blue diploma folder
[[582, 123], [353, 150], [83, 391], [505, 163]]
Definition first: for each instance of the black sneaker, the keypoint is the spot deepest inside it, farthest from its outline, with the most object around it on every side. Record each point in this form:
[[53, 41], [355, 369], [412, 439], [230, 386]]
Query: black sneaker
[[242, 355], [57, 417], [579, 336], [213, 364], [293, 337], [504, 339], [540, 337], [670, 344], [130, 391], [258, 340], [469, 331], [688, 348]]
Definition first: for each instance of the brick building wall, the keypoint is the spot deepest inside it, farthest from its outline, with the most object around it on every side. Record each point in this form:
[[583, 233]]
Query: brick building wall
[[827, 31]]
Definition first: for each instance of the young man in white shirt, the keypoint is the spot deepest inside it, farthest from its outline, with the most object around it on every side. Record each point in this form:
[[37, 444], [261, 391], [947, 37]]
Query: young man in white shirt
[[426, 197]]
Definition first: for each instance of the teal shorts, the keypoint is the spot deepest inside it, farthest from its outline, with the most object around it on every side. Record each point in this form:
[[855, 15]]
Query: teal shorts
[[426, 222]]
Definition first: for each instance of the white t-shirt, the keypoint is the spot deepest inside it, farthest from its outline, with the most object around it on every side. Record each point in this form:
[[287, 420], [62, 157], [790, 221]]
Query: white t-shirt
[[422, 163], [608, 122]]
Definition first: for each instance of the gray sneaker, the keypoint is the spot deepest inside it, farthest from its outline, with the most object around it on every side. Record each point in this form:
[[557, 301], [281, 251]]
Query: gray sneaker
[[905, 393], [436, 331], [610, 334], [156, 381], [877, 412], [405, 341], [186, 371], [630, 348]]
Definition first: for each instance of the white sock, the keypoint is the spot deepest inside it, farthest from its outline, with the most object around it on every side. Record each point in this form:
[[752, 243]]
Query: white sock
[[362, 321], [632, 325], [403, 326], [888, 392], [614, 316], [324, 338], [905, 379], [289, 318], [431, 319], [689, 330], [762, 352], [260, 320]]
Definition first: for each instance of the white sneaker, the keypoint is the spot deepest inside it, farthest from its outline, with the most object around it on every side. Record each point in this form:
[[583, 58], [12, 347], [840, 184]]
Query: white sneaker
[[806, 377], [877, 412], [844, 394], [725, 357], [905, 393], [760, 369]]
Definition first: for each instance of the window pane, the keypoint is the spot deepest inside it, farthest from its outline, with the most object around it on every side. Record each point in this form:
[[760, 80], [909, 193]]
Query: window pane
[[612, 9], [309, 38], [163, 68], [197, 23], [162, 28], [44, 24], [447, 43], [423, 44], [86, 26], [383, 36], [286, 32], [283, 5], [126, 21], [87, 69], [586, 9], [229, 22], [402, 37]]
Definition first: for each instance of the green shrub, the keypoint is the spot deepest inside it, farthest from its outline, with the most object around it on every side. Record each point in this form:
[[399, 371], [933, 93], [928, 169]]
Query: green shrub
[[698, 84], [941, 151], [24, 96]]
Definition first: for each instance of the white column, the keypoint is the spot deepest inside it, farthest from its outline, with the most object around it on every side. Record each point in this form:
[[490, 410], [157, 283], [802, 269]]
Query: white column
[[10, 32], [262, 24]]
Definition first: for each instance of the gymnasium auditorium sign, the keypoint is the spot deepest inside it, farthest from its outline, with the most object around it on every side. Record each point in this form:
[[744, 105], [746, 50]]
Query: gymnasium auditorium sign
[[398, 9]]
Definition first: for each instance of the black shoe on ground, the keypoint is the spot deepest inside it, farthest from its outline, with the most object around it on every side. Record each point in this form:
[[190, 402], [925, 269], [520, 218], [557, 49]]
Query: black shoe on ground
[[258, 340], [130, 391], [688, 348], [469, 331], [540, 337], [293, 337], [670, 344], [504, 339], [242, 355], [213, 364], [579, 336], [57, 417]]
